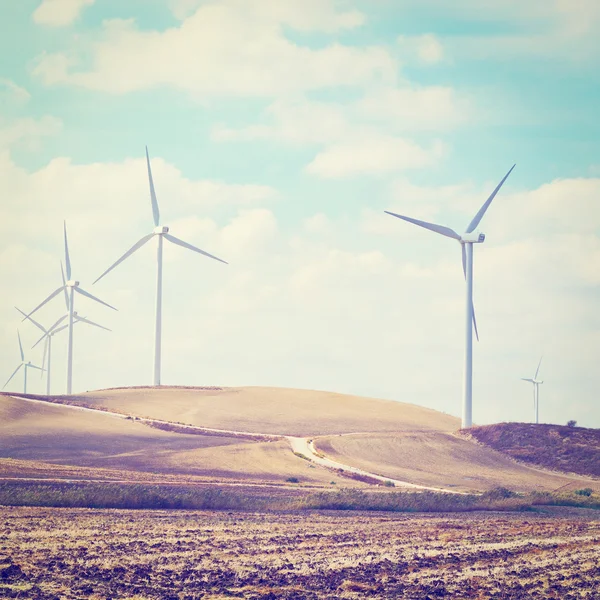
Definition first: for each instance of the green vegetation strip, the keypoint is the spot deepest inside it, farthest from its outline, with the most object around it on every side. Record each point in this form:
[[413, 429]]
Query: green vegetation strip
[[147, 496]]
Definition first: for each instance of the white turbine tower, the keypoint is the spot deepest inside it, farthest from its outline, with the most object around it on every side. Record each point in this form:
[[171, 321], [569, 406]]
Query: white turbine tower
[[49, 333], [536, 392], [27, 364], [161, 233], [466, 240], [69, 287]]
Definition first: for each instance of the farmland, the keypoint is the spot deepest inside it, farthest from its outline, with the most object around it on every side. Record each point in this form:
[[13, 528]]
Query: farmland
[[74, 553]]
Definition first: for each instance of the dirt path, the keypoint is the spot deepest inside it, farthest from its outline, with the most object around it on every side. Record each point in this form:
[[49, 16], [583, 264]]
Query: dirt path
[[299, 445]]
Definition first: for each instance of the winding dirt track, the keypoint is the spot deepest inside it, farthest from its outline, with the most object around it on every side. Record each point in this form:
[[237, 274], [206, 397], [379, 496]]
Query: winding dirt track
[[298, 445]]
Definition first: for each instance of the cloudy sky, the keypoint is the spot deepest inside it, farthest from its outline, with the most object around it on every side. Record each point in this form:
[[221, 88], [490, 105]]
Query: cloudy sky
[[280, 131]]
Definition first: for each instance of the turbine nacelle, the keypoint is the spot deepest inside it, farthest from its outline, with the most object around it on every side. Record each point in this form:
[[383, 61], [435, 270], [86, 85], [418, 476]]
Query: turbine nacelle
[[475, 237], [72, 283], [161, 229]]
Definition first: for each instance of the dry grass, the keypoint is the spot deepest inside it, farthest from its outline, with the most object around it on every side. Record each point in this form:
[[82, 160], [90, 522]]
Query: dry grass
[[441, 459], [71, 553], [272, 410]]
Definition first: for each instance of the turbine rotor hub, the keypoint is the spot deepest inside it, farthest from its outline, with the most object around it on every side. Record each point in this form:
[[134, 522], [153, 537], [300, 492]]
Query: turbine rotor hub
[[161, 229], [72, 283], [475, 237]]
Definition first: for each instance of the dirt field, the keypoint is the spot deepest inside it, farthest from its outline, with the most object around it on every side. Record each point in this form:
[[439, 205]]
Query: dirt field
[[77, 553]]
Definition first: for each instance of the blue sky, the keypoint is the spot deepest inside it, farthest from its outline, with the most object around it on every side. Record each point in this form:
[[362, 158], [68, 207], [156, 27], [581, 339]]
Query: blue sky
[[280, 131]]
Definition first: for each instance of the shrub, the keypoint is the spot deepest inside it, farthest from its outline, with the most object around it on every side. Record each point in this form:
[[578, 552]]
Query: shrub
[[293, 480], [389, 483], [572, 423], [584, 492]]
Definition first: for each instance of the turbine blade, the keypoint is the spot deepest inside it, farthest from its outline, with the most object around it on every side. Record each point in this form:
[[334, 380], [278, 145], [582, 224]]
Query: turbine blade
[[44, 357], [473, 224], [61, 328], [431, 226], [35, 367], [84, 320], [183, 244], [54, 293], [84, 293], [155, 211], [62, 272], [32, 320], [57, 323], [14, 373], [538, 368], [20, 346], [67, 258], [127, 254], [45, 352], [44, 337], [530, 380], [464, 265]]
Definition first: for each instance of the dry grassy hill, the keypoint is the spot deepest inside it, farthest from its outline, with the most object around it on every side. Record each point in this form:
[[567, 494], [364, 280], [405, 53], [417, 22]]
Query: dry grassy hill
[[36, 439], [568, 449], [441, 459], [271, 410], [391, 439]]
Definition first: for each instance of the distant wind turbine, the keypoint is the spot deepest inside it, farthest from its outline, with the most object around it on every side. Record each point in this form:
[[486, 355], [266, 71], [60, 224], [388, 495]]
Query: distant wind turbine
[[536, 391], [466, 240], [69, 288], [23, 363], [49, 333], [161, 232]]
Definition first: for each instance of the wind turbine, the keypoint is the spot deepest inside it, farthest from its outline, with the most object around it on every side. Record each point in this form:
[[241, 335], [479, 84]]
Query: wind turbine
[[23, 363], [49, 333], [161, 233], [536, 391], [466, 240], [69, 288]]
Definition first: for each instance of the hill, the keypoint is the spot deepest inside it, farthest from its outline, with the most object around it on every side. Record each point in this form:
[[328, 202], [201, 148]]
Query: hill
[[390, 439], [280, 411], [556, 447], [37, 438]]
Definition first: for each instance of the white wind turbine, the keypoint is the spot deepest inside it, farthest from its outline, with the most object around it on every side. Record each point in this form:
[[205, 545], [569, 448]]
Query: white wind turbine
[[536, 391], [27, 364], [69, 288], [49, 333], [466, 240], [161, 233]]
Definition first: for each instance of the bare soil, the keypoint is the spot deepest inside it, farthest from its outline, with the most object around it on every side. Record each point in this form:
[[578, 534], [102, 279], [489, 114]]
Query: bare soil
[[100, 554]]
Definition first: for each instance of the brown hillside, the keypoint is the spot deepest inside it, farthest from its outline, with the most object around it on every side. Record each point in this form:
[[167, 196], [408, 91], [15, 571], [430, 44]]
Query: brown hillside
[[271, 410], [441, 459], [557, 447], [33, 434]]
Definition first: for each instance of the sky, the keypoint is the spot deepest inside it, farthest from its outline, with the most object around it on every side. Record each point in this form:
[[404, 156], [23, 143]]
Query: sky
[[279, 132]]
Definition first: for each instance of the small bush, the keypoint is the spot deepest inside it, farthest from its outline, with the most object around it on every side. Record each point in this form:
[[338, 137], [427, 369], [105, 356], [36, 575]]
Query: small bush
[[572, 423], [584, 492], [293, 480], [389, 483]]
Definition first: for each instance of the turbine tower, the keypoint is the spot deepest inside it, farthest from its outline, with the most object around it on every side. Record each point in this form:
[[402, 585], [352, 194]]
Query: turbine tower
[[48, 334], [161, 233], [466, 240], [23, 363], [69, 288], [536, 392]]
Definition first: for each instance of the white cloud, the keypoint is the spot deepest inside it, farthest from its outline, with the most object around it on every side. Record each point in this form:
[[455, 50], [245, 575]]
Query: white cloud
[[58, 13], [372, 154], [11, 93], [432, 108], [424, 49], [224, 48], [318, 223], [27, 131]]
